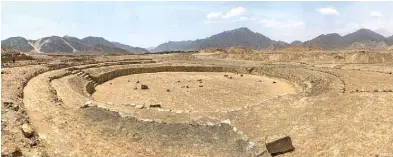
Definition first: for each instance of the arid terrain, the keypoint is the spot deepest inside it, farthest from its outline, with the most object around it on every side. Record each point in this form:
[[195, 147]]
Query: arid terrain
[[216, 102]]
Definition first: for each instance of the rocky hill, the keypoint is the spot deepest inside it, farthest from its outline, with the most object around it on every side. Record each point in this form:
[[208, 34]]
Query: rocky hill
[[237, 37], [296, 43], [173, 46], [67, 44], [18, 43], [363, 38], [362, 35], [328, 41], [97, 41], [136, 50], [389, 40]]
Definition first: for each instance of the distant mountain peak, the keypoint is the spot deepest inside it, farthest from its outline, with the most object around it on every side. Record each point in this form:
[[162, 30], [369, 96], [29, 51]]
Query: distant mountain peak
[[296, 43], [236, 37], [364, 30], [243, 29], [68, 44]]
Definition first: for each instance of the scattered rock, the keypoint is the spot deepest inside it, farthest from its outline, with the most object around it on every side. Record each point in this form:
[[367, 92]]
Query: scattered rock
[[144, 87], [27, 130], [241, 75], [376, 90], [11, 152], [168, 90], [227, 76], [193, 123], [177, 81], [136, 137], [226, 121], [199, 80], [84, 106], [139, 106], [133, 105], [87, 104], [250, 69], [33, 141], [137, 81], [200, 85], [155, 106], [279, 144], [262, 153], [187, 87], [135, 88], [274, 82], [8, 104], [11, 105]]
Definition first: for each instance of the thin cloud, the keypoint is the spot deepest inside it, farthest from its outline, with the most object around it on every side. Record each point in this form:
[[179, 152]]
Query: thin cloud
[[328, 11], [376, 14], [231, 13], [235, 12], [275, 23], [214, 15]]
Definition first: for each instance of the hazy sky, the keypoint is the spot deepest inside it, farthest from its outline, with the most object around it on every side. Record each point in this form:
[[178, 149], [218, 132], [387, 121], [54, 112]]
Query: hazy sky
[[148, 24]]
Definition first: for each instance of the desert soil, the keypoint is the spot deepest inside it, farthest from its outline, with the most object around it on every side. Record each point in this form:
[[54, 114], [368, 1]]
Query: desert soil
[[338, 104], [194, 91]]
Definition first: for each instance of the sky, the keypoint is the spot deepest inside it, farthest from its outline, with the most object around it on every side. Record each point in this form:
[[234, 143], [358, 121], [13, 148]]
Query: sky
[[148, 24]]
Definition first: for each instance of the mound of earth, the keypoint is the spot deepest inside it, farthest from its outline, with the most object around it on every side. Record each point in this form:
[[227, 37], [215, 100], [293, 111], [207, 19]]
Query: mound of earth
[[8, 53], [212, 50], [240, 49], [368, 45], [391, 47], [369, 57], [300, 48]]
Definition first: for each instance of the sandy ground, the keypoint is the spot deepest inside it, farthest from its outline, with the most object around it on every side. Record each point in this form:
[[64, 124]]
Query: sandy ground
[[357, 122], [194, 91]]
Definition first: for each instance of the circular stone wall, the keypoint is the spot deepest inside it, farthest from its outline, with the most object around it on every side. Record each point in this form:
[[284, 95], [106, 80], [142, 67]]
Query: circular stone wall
[[193, 91]]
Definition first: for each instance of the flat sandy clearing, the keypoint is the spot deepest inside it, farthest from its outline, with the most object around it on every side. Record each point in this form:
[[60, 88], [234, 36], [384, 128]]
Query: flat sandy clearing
[[194, 91]]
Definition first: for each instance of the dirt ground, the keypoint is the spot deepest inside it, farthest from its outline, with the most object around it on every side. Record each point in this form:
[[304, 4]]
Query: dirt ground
[[337, 104], [194, 91]]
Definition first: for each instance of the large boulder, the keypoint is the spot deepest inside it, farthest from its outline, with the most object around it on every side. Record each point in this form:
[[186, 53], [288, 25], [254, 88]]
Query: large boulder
[[27, 130], [279, 144]]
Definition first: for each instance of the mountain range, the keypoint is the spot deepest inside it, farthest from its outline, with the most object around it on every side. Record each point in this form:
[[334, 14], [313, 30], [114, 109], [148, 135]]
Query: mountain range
[[361, 39], [237, 37], [69, 44]]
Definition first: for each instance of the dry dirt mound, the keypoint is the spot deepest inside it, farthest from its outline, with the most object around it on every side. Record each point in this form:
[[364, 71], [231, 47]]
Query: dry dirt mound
[[369, 45], [369, 57], [7, 53], [212, 50], [300, 48], [240, 49]]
